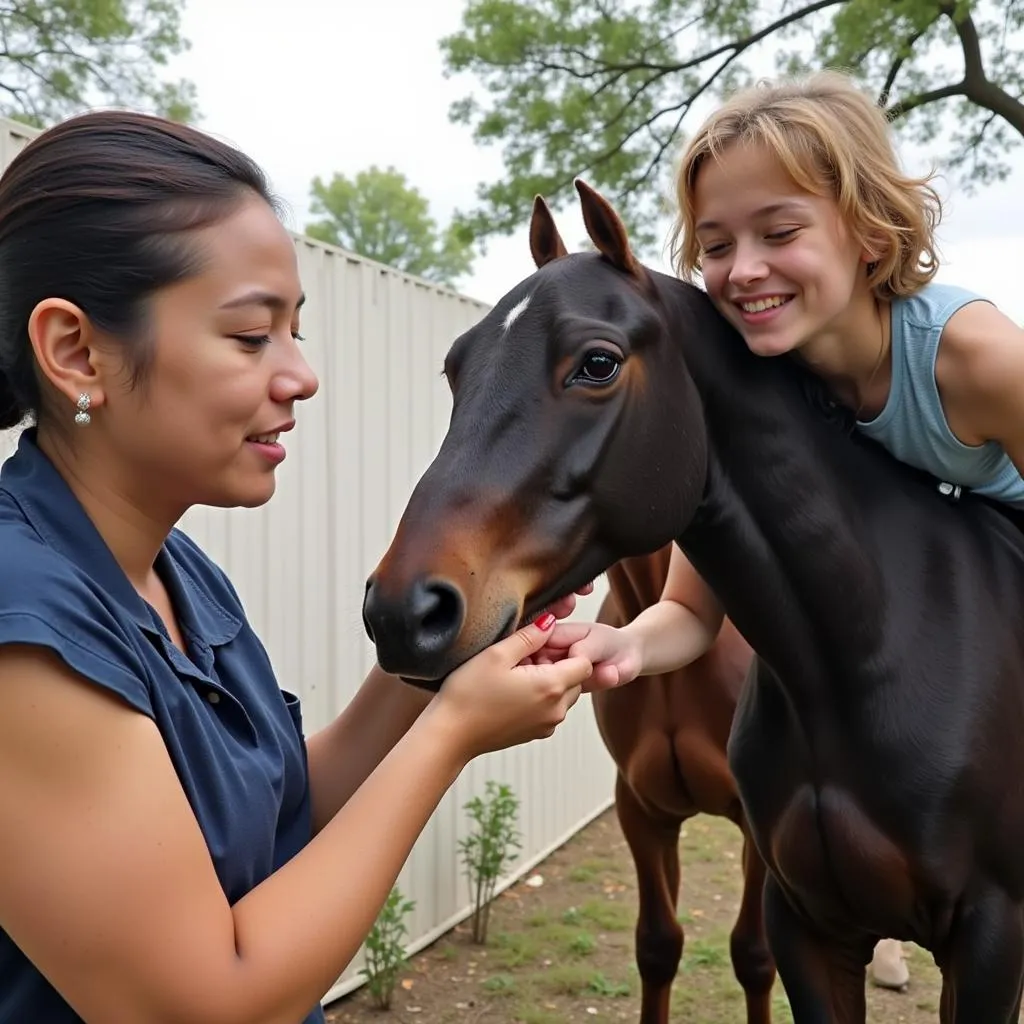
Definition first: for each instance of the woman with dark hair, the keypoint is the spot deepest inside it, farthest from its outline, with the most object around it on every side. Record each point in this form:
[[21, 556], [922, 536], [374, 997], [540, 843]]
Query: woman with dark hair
[[172, 847]]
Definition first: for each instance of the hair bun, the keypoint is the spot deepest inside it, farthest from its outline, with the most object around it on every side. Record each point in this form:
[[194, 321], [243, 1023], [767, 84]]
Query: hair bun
[[11, 413]]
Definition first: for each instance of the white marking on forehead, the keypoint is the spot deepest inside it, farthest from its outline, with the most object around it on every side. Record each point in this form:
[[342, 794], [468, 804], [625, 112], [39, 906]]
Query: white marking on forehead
[[515, 313]]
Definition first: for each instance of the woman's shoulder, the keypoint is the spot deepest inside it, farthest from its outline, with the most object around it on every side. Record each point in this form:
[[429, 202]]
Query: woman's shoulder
[[47, 601], [932, 306], [34, 574]]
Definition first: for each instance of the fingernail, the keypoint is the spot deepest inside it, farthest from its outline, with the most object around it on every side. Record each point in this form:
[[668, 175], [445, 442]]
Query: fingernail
[[545, 621]]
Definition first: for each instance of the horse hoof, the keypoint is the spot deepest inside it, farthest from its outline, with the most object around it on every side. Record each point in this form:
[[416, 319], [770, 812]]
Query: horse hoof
[[888, 966]]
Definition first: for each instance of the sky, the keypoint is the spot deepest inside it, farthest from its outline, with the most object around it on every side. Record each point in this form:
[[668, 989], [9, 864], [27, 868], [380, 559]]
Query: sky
[[312, 88]]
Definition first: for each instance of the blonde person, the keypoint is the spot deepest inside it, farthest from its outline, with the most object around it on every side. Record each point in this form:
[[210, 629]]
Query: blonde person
[[173, 848], [815, 245]]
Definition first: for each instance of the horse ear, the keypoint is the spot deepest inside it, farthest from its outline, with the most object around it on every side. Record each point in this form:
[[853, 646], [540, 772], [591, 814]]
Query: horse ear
[[545, 242], [606, 230]]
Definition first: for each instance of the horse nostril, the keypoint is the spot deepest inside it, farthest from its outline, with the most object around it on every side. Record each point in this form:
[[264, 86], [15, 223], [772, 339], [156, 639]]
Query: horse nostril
[[436, 611], [414, 628], [367, 601]]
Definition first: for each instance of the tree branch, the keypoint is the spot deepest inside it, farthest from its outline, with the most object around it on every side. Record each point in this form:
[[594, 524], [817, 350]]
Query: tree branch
[[922, 99], [734, 46], [733, 49], [897, 66], [976, 86], [974, 69]]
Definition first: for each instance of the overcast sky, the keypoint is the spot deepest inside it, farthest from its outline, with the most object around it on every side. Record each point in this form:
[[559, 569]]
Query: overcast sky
[[309, 88]]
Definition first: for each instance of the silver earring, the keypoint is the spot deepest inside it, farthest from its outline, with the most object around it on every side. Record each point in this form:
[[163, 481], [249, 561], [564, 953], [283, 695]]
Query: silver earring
[[82, 417]]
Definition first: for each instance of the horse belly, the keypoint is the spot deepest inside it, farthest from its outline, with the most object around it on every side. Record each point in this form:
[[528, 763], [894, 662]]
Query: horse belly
[[651, 773]]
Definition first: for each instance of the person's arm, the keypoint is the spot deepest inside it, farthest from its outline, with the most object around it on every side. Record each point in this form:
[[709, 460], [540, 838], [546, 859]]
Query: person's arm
[[108, 886], [343, 754], [681, 626], [980, 374]]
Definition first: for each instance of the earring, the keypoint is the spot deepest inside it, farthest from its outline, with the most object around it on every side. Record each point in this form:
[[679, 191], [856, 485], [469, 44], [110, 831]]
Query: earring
[[82, 417]]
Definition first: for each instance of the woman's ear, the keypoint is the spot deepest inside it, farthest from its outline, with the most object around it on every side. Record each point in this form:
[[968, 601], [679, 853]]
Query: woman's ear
[[63, 341]]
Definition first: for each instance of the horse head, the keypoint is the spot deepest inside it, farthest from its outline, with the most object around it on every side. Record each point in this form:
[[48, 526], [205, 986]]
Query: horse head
[[537, 487]]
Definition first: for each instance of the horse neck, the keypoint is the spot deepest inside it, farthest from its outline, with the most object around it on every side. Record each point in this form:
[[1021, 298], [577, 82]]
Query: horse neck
[[778, 535]]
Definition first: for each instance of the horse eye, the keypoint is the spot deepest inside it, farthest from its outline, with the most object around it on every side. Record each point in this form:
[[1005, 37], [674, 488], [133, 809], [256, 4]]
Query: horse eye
[[598, 367]]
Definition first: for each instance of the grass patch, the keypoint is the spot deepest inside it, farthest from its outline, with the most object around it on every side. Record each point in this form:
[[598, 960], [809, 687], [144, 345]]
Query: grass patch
[[566, 948], [500, 985], [608, 916]]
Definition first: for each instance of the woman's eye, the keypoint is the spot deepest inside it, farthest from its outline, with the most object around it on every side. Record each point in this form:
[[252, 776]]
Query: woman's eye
[[258, 340]]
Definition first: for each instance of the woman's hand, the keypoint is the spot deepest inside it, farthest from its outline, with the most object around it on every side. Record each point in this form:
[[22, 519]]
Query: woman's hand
[[616, 654], [565, 606], [495, 701]]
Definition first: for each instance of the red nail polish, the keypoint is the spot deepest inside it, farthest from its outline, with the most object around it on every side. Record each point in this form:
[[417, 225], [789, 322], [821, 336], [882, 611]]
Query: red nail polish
[[546, 621]]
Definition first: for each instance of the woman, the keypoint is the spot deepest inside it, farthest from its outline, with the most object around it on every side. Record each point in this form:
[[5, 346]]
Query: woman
[[172, 848]]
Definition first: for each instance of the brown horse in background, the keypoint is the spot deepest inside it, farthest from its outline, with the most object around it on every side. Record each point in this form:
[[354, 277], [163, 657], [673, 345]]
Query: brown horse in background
[[667, 735]]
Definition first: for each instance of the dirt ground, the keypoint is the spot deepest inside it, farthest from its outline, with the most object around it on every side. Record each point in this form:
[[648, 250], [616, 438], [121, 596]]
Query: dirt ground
[[562, 951]]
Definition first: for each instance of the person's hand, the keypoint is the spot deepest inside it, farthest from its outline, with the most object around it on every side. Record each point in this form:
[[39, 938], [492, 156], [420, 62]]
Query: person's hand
[[614, 653], [492, 701], [561, 609], [565, 606]]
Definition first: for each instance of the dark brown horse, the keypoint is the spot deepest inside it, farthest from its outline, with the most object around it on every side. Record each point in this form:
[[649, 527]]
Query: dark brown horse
[[667, 735], [602, 410]]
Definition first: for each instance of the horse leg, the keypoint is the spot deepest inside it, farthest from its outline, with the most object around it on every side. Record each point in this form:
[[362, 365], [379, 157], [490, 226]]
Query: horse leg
[[659, 935], [824, 980], [983, 965], [752, 960]]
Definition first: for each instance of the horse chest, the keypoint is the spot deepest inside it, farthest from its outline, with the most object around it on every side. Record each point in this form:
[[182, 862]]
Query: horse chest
[[829, 840], [839, 864]]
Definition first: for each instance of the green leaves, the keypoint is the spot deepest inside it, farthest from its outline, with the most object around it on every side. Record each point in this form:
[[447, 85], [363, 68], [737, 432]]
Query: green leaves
[[59, 56], [488, 850], [606, 90], [384, 948], [379, 215]]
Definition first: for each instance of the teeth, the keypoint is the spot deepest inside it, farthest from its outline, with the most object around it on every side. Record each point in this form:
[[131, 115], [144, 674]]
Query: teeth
[[265, 438], [762, 304]]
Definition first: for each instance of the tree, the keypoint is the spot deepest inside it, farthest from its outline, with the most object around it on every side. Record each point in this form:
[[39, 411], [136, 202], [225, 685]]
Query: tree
[[60, 56], [379, 215], [602, 89]]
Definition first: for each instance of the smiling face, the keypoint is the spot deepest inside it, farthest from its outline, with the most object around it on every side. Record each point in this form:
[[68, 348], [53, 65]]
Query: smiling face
[[777, 260], [203, 425]]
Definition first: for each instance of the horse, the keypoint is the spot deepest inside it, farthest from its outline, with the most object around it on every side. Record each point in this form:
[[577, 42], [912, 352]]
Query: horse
[[601, 410], [667, 736]]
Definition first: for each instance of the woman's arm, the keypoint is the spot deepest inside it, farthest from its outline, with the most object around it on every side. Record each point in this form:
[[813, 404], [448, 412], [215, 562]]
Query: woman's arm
[[674, 631], [107, 884], [682, 625], [344, 753]]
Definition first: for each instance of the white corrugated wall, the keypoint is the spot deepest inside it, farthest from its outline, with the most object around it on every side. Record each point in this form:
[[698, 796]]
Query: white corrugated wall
[[377, 339]]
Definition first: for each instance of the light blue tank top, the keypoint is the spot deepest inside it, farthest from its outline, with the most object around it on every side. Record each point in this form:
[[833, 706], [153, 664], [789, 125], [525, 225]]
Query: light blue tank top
[[913, 425]]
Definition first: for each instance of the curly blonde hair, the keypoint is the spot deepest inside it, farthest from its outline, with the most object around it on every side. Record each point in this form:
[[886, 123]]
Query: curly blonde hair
[[832, 139]]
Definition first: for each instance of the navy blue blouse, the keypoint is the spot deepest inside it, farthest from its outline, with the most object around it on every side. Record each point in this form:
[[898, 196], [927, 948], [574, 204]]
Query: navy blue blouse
[[234, 736]]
